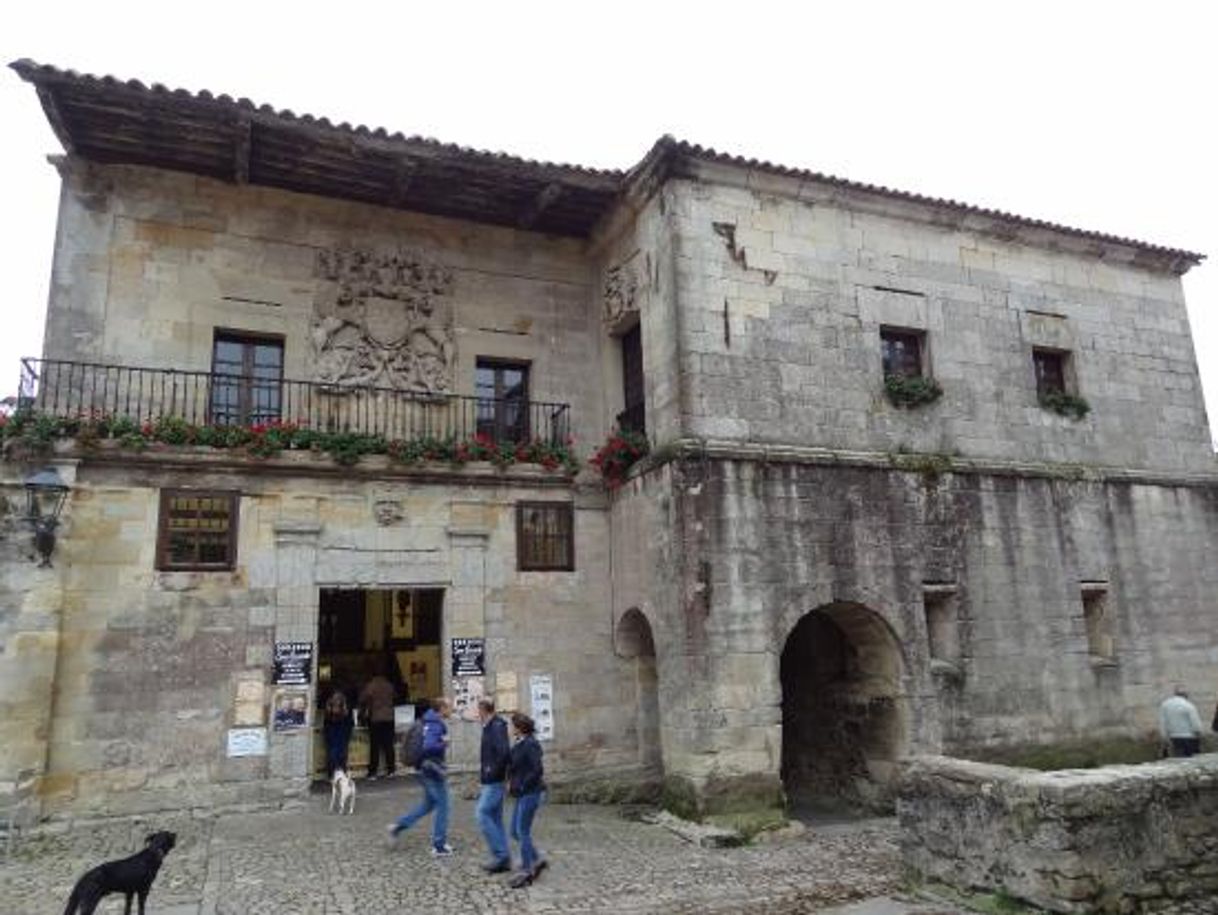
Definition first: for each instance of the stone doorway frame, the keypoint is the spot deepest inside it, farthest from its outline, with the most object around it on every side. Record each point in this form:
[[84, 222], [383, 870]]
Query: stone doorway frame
[[634, 639], [306, 561]]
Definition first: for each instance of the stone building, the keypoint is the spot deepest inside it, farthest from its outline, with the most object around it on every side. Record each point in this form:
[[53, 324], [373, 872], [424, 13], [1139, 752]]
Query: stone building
[[923, 477]]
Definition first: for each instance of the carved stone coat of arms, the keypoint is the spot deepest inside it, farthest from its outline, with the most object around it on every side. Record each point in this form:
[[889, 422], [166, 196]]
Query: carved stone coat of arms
[[384, 320]]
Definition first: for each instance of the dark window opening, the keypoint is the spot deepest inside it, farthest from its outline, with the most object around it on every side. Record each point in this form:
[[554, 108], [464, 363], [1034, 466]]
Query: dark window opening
[[902, 353], [1050, 371], [502, 389], [545, 537], [1098, 621], [247, 377], [634, 417], [197, 530]]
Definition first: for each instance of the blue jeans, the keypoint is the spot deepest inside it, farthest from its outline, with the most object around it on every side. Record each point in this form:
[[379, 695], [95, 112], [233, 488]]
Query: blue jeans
[[490, 819], [522, 829], [435, 797], [338, 737]]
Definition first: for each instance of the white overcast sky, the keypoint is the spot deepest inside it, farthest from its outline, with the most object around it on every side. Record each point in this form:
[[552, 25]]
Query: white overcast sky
[[1097, 115]]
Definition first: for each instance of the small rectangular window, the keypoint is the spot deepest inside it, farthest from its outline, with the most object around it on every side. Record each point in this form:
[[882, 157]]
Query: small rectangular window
[[198, 530], [1101, 633], [902, 353], [1050, 371], [545, 536], [942, 629]]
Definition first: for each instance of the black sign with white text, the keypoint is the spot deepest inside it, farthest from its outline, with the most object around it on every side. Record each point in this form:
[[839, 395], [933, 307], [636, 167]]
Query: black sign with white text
[[293, 664], [469, 657]]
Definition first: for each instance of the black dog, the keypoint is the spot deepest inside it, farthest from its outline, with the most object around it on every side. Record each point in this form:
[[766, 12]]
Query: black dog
[[132, 876]]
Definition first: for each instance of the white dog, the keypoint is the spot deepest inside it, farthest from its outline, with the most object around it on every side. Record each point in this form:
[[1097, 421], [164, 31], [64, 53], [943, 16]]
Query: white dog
[[342, 792]]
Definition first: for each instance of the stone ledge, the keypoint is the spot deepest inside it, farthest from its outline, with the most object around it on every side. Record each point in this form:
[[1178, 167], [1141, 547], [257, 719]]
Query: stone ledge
[[297, 463], [1114, 839], [911, 462]]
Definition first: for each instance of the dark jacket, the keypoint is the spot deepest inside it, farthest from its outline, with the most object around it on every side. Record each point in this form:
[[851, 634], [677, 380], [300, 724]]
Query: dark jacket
[[434, 730], [377, 699], [525, 770], [496, 750]]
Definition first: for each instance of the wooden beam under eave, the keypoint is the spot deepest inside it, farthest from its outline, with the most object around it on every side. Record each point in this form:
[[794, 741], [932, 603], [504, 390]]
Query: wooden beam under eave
[[402, 176], [241, 150], [55, 119], [542, 202]]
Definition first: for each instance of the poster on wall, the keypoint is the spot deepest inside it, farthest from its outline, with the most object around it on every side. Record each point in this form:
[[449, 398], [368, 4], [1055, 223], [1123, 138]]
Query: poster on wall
[[469, 657], [466, 693], [541, 692], [291, 709], [248, 708], [247, 742], [293, 664]]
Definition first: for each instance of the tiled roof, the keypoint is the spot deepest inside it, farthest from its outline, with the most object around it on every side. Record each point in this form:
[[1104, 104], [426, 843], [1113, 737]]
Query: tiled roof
[[712, 155], [113, 120]]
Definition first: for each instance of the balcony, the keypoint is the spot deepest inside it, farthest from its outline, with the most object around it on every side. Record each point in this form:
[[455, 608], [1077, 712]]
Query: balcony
[[216, 401]]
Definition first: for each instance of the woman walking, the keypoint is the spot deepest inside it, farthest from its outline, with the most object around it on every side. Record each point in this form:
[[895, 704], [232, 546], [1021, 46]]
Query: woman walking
[[525, 784]]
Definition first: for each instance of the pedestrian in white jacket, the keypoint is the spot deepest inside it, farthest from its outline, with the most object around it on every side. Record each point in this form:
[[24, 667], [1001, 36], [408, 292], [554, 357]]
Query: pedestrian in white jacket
[[1180, 725]]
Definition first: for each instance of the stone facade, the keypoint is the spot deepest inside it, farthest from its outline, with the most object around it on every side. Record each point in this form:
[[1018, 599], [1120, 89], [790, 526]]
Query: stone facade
[[800, 585], [1116, 839]]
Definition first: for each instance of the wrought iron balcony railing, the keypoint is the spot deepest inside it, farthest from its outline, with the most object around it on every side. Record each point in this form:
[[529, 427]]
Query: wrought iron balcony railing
[[80, 389]]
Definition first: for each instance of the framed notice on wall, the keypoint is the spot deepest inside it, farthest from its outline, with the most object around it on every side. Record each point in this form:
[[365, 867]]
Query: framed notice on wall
[[293, 664]]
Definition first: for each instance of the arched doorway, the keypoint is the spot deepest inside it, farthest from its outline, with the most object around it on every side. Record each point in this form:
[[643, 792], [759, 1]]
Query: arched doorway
[[634, 643], [843, 709]]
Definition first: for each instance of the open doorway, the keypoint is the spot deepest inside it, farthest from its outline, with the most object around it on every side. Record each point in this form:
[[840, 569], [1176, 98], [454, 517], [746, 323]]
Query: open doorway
[[843, 711], [394, 632]]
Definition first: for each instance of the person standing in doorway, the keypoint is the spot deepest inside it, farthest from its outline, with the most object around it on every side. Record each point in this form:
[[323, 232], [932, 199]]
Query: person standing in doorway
[[377, 702], [434, 778], [526, 784], [336, 730], [496, 750], [1180, 725]]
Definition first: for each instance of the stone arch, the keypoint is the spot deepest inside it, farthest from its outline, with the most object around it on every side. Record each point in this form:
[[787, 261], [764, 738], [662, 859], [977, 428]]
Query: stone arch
[[634, 642], [845, 710]]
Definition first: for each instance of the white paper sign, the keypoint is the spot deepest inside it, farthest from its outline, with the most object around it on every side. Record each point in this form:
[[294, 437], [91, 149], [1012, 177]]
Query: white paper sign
[[541, 692], [247, 742]]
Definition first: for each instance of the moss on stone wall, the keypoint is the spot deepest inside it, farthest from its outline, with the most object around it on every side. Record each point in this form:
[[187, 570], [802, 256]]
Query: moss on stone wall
[[1082, 754]]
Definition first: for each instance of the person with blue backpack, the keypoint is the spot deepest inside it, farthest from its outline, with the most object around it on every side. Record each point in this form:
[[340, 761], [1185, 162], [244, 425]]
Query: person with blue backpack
[[426, 747]]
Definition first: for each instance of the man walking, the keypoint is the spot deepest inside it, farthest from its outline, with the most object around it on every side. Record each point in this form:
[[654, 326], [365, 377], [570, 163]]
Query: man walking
[[434, 778], [496, 750], [1180, 724]]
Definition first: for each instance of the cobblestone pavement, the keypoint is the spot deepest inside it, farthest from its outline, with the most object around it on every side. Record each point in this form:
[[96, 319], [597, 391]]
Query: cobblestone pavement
[[304, 860]]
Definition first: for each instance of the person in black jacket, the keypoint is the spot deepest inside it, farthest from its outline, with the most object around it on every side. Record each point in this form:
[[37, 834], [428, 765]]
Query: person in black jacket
[[495, 753], [526, 785]]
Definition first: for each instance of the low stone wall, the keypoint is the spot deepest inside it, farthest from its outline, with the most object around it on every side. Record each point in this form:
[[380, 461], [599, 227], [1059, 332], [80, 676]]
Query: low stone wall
[[1114, 839]]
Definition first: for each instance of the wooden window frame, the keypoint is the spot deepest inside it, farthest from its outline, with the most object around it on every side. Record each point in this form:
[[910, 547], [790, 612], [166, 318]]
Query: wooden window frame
[[522, 563], [163, 562], [495, 363], [1064, 359], [244, 337], [919, 336]]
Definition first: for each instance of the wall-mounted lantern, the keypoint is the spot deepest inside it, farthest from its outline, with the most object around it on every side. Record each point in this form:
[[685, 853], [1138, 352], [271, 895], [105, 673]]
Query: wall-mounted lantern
[[45, 493]]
